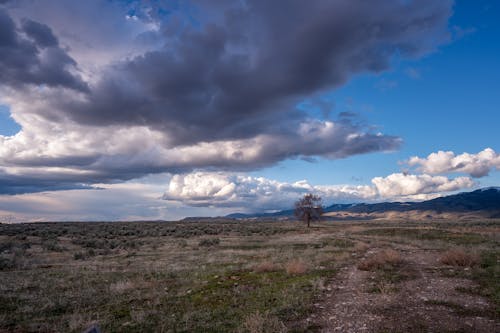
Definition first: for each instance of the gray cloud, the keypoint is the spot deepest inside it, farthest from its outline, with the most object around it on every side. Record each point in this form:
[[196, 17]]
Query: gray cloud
[[37, 59], [219, 93], [246, 68], [12, 184], [40, 33]]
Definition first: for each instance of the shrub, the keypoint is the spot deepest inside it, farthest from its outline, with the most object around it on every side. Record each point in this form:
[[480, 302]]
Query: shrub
[[6, 247], [209, 242], [52, 245], [459, 257], [381, 260], [79, 256], [6, 263], [296, 267]]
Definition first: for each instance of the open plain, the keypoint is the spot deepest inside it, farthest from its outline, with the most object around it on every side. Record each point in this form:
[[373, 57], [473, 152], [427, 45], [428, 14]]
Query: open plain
[[251, 276]]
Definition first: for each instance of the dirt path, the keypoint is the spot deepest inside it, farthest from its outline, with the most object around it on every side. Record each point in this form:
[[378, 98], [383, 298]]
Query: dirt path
[[425, 301]]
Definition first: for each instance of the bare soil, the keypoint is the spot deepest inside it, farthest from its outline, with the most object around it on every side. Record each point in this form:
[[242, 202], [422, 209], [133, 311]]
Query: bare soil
[[427, 300]]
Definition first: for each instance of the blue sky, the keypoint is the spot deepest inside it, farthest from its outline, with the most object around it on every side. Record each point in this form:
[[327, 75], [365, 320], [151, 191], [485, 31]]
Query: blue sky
[[163, 110], [8, 126]]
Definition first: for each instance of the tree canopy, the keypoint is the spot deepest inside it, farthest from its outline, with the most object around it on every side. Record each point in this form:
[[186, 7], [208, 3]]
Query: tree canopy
[[309, 207]]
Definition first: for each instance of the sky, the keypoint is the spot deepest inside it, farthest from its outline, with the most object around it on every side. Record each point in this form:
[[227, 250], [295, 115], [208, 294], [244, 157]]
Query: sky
[[162, 109]]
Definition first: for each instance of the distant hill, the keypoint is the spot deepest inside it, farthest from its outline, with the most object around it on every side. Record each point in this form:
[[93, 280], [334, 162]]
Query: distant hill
[[485, 201]]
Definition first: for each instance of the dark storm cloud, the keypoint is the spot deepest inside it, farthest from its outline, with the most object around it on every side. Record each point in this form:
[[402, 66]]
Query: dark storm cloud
[[35, 59], [11, 184], [244, 71], [222, 89], [40, 33]]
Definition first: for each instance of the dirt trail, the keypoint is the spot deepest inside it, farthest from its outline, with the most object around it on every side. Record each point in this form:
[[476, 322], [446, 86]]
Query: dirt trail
[[425, 302]]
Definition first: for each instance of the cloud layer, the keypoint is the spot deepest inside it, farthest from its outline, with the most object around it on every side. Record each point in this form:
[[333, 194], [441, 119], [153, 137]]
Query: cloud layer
[[476, 165], [192, 86], [260, 194]]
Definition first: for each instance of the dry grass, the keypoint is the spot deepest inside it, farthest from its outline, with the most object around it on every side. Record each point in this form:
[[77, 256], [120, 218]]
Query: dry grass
[[459, 257], [262, 323], [121, 286], [380, 260], [153, 277], [296, 267], [77, 321], [266, 266], [361, 247]]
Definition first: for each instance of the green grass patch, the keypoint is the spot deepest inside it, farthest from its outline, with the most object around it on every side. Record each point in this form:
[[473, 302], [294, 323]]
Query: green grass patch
[[217, 298], [339, 242], [487, 275], [429, 234]]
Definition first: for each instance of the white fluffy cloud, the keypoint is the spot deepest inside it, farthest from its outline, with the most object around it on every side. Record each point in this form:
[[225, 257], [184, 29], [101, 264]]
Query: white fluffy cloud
[[404, 185], [257, 193], [476, 165]]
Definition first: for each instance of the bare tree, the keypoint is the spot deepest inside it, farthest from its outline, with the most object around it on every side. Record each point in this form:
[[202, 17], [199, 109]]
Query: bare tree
[[308, 208]]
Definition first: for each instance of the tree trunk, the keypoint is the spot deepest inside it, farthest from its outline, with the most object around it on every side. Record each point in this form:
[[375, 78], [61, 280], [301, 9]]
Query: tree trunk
[[308, 220]]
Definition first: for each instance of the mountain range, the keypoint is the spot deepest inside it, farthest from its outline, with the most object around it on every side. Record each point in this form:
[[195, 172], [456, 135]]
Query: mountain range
[[483, 203]]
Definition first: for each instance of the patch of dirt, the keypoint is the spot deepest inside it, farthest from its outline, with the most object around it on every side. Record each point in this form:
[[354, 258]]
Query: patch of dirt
[[426, 302]]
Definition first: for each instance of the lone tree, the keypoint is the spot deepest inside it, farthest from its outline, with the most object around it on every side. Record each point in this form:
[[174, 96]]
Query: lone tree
[[308, 208]]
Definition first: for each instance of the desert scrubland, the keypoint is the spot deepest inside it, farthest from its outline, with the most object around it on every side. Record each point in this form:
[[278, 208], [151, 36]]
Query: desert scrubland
[[251, 276]]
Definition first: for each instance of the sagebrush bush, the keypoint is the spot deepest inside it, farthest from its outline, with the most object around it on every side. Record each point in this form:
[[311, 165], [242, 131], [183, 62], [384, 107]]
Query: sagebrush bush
[[6, 263], [295, 267], [382, 259], [459, 257], [209, 242], [266, 266]]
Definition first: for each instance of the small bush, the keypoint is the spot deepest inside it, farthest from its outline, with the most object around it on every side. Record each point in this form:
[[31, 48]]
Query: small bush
[[6, 263], [459, 257], [206, 242], [6, 247], [52, 245], [296, 267], [79, 256], [381, 260]]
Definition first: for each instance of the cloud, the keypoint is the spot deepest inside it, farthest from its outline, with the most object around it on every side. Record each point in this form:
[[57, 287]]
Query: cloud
[[244, 70], [404, 185], [130, 201], [102, 156], [190, 87], [32, 55], [476, 165], [202, 189], [207, 194]]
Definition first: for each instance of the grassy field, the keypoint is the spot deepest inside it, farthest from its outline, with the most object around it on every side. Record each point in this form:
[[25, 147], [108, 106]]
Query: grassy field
[[228, 276]]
